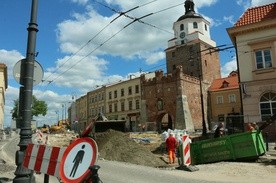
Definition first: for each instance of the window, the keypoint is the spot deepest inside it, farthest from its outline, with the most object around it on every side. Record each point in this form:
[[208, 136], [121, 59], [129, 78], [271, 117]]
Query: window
[[110, 95], [122, 106], [225, 84], [130, 105], [115, 107], [173, 54], [219, 99], [115, 94], [99, 97], [195, 25], [160, 104], [221, 117], [206, 27], [122, 92], [110, 108], [181, 27], [137, 103], [263, 59], [268, 105], [130, 90], [174, 67], [136, 88], [232, 98]]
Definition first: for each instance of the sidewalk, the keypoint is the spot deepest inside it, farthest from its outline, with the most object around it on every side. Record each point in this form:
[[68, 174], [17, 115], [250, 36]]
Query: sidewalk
[[272, 149], [8, 168]]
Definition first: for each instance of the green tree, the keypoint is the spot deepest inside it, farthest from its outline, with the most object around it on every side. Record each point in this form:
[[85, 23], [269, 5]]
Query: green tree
[[39, 107]]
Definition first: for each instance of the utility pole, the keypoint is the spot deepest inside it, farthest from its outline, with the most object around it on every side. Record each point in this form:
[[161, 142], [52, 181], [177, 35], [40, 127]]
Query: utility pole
[[24, 175]]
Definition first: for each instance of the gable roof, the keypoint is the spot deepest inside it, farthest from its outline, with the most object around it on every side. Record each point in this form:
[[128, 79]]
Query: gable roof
[[257, 14], [231, 81]]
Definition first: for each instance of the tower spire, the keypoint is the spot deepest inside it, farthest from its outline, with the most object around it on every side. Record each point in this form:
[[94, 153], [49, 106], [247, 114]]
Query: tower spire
[[189, 7]]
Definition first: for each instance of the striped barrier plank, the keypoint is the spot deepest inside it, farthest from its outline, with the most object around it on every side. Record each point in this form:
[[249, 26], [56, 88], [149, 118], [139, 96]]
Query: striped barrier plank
[[43, 158]]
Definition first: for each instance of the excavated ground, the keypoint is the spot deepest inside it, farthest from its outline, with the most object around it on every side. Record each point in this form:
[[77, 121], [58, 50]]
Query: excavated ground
[[137, 148]]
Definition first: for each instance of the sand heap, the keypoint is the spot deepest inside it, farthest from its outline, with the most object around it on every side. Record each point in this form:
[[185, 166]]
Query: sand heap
[[117, 146]]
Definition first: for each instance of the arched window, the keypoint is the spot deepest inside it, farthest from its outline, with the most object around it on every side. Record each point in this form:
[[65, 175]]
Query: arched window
[[195, 25], [181, 27], [160, 104], [268, 105]]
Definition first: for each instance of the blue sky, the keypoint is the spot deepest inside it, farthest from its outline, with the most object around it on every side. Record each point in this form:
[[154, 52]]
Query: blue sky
[[79, 48]]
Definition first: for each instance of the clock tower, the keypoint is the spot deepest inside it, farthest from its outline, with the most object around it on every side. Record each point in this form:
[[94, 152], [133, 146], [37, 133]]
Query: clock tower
[[192, 46]]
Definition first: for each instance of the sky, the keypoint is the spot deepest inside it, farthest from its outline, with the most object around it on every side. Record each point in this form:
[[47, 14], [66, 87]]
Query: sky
[[82, 44]]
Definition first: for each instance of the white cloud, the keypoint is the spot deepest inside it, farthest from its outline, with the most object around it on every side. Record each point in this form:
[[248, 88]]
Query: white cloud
[[229, 19], [10, 58], [229, 67], [261, 2], [252, 3], [81, 2], [70, 70]]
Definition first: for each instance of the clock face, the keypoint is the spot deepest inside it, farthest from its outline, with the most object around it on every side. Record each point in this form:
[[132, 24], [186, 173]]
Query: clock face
[[182, 34]]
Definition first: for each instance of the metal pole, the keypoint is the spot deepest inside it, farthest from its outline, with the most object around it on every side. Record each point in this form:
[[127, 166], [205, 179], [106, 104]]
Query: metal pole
[[200, 77], [46, 178], [22, 174], [204, 128]]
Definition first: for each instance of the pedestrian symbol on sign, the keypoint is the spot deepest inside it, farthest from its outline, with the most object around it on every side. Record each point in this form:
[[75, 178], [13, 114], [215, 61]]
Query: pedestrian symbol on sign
[[77, 160]]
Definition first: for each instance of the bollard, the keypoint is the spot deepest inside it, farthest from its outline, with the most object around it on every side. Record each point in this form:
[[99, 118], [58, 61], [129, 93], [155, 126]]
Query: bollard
[[94, 173], [186, 150]]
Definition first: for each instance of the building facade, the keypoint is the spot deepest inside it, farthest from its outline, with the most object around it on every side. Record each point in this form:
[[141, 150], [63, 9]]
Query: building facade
[[3, 87], [81, 112], [96, 102], [123, 102], [192, 65], [178, 99], [225, 104], [254, 36]]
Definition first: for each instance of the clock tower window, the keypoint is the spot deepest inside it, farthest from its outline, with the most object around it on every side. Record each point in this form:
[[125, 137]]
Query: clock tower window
[[181, 27], [195, 25]]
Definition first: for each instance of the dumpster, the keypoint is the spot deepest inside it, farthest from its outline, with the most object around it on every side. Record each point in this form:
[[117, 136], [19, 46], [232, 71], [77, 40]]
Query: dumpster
[[242, 146]]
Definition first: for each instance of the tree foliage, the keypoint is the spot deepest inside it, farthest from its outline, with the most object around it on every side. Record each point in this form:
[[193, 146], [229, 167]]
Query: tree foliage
[[39, 107]]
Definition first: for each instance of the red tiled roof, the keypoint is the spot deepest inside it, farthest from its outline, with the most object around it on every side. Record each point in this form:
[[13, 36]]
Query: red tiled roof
[[257, 14], [217, 85]]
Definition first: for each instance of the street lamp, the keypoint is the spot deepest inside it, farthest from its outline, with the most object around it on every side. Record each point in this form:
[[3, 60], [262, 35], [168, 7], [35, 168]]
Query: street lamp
[[23, 174]]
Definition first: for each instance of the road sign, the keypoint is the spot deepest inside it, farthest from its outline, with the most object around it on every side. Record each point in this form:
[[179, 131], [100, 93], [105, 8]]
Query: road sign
[[38, 72], [44, 159], [77, 158]]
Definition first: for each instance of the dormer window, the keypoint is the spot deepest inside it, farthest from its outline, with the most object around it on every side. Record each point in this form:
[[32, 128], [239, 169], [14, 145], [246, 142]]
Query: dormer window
[[225, 84], [181, 27], [195, 25]]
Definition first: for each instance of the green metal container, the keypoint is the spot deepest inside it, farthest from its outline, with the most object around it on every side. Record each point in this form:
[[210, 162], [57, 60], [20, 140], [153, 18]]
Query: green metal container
[[242, 146]]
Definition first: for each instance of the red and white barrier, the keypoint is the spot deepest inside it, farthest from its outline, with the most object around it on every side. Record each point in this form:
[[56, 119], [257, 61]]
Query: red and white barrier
[[186, 150], [44, 159]]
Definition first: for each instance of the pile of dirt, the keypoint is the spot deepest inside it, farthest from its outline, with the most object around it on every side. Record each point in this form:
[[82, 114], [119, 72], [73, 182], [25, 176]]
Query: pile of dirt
[[118, 146], [124, 147]]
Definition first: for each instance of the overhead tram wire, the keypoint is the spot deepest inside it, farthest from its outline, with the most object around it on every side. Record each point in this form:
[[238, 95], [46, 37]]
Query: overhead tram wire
[[100, 45], [133, 18], [88, 42]]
